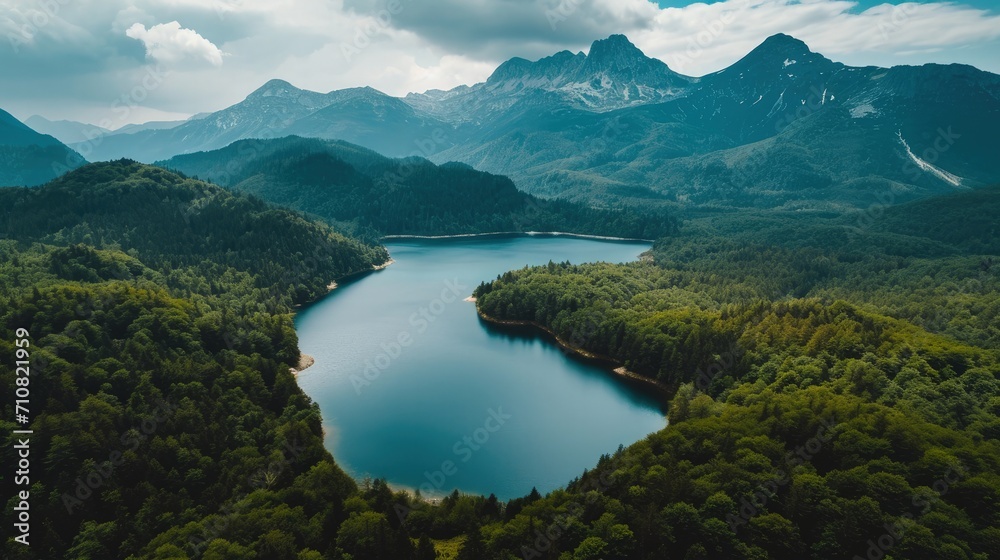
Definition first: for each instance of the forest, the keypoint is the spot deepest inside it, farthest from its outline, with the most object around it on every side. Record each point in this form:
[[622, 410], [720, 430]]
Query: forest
[[834, 385], [835, 391], [369, 195], [159, 309]]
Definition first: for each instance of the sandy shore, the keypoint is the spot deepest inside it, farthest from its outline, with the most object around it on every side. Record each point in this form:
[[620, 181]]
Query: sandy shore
[[305, 362], [333, 285], [620, 370], [470, 299]]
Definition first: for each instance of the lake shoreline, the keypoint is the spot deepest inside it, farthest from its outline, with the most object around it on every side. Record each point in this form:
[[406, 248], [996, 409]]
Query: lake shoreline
[[377, 309], [375, 268], [620, 370], [515, 234], [305, 362]]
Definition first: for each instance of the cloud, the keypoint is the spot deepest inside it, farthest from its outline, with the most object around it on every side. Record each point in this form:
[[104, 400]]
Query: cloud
[[169, 42], [494, 29], [695, 39], [75, 59], [703, 38]]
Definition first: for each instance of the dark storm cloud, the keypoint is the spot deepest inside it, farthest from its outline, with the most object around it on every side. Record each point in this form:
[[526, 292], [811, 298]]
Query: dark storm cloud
[[493, 29]]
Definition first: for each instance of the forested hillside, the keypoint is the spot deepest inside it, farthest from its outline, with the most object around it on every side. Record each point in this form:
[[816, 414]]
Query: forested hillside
[[28, 158], [838, 385], [159, 315], [371, 195], [782, 127], [835, 384], [193, 232]]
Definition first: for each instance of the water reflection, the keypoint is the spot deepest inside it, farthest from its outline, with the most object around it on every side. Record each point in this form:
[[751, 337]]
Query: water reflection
[[403, 424]]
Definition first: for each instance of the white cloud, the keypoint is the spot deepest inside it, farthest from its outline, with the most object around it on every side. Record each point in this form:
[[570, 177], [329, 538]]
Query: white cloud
[[394, 72], [169, 42], [91, 52], [703, 38]]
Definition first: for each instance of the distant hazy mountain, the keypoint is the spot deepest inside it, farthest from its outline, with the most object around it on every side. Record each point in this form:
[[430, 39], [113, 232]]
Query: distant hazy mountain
[[370, 118], [368, 194], [67, 132], [78, 133], [782, 127], [28, 158], [151, 125], [361, 115]]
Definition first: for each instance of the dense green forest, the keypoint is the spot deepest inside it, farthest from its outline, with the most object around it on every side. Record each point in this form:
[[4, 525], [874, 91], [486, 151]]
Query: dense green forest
[[370, 195], [167, 422], [837, 390], [34, 165], [28, 158], [835, 385]]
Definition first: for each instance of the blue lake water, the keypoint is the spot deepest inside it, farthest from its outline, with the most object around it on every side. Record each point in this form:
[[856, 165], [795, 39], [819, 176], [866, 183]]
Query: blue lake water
[[415, 388]]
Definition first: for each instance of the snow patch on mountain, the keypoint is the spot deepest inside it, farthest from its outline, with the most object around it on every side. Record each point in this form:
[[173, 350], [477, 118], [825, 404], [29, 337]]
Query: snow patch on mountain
[[863, 110], [614, 75], [951, 179], [778, 105]]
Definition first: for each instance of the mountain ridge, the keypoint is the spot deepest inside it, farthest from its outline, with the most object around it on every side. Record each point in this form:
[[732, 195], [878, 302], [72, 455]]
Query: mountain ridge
[[607, 127], [370, 195], [29, 158]]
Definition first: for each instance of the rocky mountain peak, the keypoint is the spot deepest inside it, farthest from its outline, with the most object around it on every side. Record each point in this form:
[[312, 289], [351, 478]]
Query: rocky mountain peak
[[275, 88], [782, 49], [615, 52]]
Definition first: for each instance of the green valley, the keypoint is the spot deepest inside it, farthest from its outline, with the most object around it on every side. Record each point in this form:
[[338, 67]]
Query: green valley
[[500, 280], [370, 195]]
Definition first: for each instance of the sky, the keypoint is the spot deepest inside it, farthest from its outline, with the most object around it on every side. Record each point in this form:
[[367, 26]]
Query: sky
[[116, 62]]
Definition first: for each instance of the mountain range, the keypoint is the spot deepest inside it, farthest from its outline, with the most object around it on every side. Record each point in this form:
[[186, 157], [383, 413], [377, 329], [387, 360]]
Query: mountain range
[[28, 158], [74, 132], [827, 372], [614, 75], [783, 127], [359, 115], [369, 195]]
